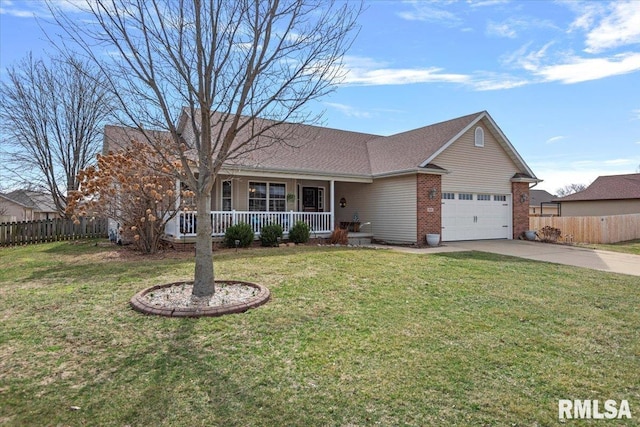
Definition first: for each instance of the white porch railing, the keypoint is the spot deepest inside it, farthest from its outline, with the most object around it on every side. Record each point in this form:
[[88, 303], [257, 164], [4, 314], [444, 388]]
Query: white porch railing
[[185, 224]]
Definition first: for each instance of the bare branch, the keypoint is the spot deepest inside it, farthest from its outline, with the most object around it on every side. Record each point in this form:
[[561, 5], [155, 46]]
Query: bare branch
[[52, 114], [235, 71]]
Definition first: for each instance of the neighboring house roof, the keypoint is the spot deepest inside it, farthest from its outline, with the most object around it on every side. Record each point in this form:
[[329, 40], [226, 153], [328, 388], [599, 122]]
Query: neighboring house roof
[[608, 187], [38, 201], [540, 196], [325, 151]]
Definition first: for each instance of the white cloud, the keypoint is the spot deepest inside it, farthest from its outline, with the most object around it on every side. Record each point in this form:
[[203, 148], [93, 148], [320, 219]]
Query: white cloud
[[555, 139], [349, 110], [430, 12], [368, 72], [636, 114], [39, 9], [502, 29], [489, 81], [481, 3], [620, 27], [577, 69], [513, 26], [364, 71]]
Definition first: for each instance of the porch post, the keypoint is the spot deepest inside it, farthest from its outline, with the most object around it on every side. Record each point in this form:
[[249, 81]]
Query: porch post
[[332, 198], [176, 220]]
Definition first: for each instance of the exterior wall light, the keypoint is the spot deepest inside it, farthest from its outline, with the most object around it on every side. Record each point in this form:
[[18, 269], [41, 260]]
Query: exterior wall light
[[343, 202]]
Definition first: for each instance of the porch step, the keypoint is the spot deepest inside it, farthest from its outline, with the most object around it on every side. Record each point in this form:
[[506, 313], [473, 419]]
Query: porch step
[[360, 239]]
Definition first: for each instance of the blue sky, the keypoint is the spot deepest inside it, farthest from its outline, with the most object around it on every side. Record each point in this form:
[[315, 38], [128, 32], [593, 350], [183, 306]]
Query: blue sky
[[561, 78]]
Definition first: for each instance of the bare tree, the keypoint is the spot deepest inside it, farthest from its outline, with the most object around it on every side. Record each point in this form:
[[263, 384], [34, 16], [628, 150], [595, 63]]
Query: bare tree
[[570, 189], [240, 69], [51, 116]]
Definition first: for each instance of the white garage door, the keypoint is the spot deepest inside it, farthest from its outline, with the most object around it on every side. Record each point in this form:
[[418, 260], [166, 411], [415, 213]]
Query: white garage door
[[472, 216]]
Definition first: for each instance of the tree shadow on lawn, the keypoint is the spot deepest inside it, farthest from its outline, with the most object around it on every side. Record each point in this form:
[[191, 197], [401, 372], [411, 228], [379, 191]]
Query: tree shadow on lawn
[[180, 374]]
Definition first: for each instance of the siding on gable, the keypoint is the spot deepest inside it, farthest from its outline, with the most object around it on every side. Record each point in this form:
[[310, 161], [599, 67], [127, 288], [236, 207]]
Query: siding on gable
[[389, 204], [476, 169]]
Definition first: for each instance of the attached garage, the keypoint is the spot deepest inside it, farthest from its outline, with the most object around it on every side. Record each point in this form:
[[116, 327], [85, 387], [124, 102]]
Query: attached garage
[[473, 216]]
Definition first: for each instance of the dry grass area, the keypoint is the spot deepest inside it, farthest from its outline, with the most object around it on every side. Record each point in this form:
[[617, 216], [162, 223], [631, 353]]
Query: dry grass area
[[351, 337], [628, 247]]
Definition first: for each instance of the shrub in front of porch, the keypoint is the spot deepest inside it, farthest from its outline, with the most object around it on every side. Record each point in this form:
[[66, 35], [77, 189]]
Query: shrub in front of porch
[[300, 232], [270, 234], [242, 232]]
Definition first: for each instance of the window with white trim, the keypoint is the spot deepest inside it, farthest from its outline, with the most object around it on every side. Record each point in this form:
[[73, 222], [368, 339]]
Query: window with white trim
[[499, 198], [448, 196], [267, 196], [257, 196], [277, 198], [484, 197], [320, 199], [465, 196], [227, 204], [479, 137]]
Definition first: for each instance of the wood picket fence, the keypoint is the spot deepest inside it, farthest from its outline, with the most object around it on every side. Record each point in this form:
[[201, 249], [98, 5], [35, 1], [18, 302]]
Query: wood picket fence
[[591, 229], [51, 230]]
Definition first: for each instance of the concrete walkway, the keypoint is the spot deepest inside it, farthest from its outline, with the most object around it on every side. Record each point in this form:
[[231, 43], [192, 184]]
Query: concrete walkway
[[613, 262]]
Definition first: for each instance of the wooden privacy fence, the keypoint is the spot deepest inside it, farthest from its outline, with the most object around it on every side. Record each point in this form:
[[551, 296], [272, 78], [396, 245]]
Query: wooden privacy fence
[[592, 229], [51, 230]]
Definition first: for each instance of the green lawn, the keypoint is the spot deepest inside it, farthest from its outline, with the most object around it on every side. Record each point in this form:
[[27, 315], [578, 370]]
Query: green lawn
[[629, 247], [351, 337]]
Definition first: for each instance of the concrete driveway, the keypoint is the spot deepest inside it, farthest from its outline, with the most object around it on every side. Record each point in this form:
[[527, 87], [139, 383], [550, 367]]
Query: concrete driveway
[[569, 255]]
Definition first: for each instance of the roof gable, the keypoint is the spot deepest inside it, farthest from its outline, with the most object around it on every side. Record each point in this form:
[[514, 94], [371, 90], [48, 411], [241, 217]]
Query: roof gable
[[410, 150], [608, 187]]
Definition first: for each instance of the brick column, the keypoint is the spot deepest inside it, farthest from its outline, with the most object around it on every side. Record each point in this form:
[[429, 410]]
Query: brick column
[[429, 210], [520, 208]]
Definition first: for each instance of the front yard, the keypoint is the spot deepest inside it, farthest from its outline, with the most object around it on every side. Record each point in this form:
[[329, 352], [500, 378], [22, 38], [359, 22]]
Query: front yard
[[628, 247], [351, 337]]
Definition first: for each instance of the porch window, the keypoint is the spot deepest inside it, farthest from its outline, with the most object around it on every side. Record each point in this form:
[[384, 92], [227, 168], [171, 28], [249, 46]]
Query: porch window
[[277, 198], [226, 196], [263, 195]]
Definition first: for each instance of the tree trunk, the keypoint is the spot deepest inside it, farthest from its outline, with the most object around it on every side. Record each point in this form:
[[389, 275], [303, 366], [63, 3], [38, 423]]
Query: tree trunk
[[203, 287]]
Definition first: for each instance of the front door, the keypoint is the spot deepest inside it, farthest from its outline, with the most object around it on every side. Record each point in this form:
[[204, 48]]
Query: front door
[[310, 199]]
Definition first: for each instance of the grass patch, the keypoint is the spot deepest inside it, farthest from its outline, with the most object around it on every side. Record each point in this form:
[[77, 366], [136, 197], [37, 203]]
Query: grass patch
[[350, 337], [628, 247]]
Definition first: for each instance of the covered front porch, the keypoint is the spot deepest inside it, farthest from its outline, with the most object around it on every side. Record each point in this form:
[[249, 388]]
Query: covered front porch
[[184, 226], [261, 198]]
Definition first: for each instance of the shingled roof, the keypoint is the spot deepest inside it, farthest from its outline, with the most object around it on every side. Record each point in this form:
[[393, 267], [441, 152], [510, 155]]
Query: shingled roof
[[608, 187], [38, 201], [408, 150], [332, 152]]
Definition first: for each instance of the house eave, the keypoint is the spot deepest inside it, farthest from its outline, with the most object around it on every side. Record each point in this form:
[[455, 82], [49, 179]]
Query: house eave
[[529, 180], [294, 174], [413, 171]]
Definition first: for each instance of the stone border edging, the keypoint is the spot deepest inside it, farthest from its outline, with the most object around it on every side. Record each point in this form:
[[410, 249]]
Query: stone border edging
[[139, 303]]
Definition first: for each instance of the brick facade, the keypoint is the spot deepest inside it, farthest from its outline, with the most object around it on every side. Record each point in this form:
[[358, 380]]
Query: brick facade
[[429, 208], [520, 208]]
